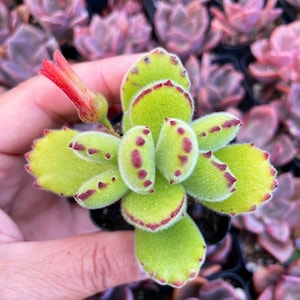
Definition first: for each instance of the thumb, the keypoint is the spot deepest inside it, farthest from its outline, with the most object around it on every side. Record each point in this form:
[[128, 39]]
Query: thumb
[[70, 268]]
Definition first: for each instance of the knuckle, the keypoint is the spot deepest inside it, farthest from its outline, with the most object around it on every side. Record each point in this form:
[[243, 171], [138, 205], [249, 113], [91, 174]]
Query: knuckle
[[99, 268]]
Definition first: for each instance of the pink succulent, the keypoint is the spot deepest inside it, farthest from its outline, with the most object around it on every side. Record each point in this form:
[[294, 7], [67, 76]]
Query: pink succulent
[[275, 222], [4, 22], [264, 119], [59, 17], [288, 110], [131, 7], [116, 33], [10, 20], [184, 29], [204, 289], [244, 21], [278, 58], [18, 62], [215, 87], [276, 282]]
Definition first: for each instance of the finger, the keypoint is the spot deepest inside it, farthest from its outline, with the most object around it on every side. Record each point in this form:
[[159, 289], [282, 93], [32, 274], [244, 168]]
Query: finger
[[38, 104], [72, 268]]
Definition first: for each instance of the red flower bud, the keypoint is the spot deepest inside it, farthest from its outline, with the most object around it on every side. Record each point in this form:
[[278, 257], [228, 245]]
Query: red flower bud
[[91, 107]]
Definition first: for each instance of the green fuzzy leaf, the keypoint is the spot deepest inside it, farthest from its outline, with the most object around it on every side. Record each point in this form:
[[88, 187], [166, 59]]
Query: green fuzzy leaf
[[216, 130], [172, 256], [256, 178], [126, 122], [211, 179], [137, 159], [176, 150], [56, 166], [155, 211], [156, 65], [155, 102], [98, 147], [102, 190]]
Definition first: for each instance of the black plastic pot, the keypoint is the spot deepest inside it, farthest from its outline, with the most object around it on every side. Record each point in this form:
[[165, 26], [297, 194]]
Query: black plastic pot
[[95, 6], [289, 13], [213, 226], [150, 8]]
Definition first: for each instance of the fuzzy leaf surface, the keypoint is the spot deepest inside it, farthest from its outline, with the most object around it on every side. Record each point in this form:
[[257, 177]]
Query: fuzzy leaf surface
[[176, 150], [157, 210], [56, 166], [154, 66], [126, 122], [155, 102], [256, 178], [172, 256], [137, 159], [98, 147], [211, 179], [102, 190], [216, 130]]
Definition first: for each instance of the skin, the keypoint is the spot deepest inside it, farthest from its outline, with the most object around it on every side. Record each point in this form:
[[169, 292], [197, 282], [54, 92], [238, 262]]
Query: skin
[[49, 249]]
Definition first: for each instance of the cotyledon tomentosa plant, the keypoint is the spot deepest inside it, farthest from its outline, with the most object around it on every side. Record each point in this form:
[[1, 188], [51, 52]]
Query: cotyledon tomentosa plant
[[162, 157]]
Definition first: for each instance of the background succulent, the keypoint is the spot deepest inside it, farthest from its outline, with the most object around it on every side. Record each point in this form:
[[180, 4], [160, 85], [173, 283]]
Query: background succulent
[[10, 19], [184, 29], [266, 120], [18, 62], [277, 282], [131, 7], [274, 223], [116, 33], [276, 58], [215, 87], [216, 288], [244, 21], [288, 111], [59, 17]]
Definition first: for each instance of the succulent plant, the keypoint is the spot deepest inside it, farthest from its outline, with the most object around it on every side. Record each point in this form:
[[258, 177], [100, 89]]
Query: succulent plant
[[288, 111], [131, 7], [244, 21], [184, 29], [204, 289], [265, 119], [59, 17], [219, 251], [116, 33], [185, 2], [18, 62], [4, 22], [162, 156], [275, 222], [216, 87], [276, 282], [277, 58], [10, 20], [146, 289]]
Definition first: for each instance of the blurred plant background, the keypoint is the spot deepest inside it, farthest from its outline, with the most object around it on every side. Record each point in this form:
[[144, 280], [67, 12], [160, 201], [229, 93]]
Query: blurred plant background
[[242, 57]]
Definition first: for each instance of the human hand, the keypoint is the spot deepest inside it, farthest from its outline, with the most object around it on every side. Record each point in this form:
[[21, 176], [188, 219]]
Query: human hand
[[49, 249]]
